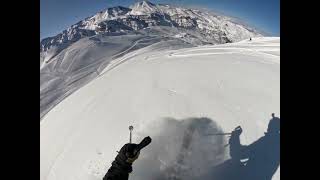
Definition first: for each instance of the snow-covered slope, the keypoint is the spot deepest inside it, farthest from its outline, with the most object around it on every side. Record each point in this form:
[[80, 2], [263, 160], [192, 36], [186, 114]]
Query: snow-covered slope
[[155, 90], [82, 61], [74, 57]]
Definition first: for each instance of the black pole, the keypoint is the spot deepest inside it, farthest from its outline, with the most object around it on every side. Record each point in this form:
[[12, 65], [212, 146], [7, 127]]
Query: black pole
[[219, 134], [130, 128]]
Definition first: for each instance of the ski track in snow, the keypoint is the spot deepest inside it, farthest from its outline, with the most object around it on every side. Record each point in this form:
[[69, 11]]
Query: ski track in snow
[[113, 64], [185, 53], [227, 50]]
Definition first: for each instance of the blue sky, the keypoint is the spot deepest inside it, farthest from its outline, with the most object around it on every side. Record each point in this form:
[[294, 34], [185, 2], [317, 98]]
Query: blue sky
[[57, 15]]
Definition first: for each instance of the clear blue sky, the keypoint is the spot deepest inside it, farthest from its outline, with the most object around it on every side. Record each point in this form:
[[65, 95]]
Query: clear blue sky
[[57, 15]]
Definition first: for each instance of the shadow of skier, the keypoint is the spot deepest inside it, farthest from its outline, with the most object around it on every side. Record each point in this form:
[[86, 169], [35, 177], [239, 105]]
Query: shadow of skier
[[257, 161]]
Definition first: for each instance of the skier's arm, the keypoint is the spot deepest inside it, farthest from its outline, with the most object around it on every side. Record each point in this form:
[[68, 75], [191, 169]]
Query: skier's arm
[[122, 165], [237, 151]]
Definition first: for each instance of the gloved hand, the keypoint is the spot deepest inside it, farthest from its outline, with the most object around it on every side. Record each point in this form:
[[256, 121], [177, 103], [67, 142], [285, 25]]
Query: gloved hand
[[133, 150], [122, 165], [131, 157]]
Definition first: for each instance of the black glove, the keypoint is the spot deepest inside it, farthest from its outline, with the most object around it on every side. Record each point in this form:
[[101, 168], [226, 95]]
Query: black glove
[[133, 150], [122, 165]]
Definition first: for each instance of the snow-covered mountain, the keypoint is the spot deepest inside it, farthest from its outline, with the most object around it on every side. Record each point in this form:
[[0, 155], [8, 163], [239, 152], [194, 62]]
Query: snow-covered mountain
[[78, 54], [209, 27]]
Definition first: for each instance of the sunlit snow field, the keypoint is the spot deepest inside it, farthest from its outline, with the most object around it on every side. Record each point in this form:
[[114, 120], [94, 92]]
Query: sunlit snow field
[[232, 84]]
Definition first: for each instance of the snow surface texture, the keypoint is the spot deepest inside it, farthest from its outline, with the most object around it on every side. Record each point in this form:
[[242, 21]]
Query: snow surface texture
[[74, 57], [161, 92], [82, 61]]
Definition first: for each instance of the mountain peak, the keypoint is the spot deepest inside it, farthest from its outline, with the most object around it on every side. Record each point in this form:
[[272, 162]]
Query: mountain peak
[[143, 7], [146, 3]]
